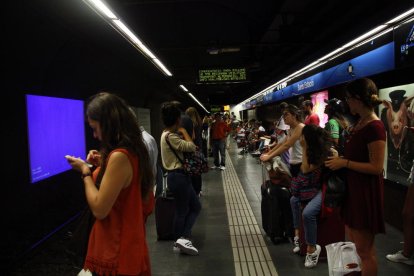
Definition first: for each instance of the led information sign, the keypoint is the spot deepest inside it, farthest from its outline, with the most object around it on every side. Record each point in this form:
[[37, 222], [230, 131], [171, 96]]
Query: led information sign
[[222, 75]]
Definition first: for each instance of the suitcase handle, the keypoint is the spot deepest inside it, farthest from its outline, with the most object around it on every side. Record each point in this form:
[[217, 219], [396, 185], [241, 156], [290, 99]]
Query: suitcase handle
[[164, 184]]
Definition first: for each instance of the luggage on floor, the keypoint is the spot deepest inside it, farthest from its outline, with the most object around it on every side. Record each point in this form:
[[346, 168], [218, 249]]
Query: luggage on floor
[[330, 229], [276, 212], [165, 213]]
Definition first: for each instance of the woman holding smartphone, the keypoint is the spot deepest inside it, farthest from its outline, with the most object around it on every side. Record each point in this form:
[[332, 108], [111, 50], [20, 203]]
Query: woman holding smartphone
[[117, 244]]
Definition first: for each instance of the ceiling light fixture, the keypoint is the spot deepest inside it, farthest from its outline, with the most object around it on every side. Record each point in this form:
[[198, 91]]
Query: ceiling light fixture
[[195, 99], [183, 88], [192, 96], [368, 36], [105, 12]]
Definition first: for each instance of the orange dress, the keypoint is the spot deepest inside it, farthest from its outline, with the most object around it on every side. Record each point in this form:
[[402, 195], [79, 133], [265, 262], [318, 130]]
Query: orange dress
[[117, 244]]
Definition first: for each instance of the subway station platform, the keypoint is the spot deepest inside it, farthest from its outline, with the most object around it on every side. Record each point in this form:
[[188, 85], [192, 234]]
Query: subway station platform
[[228, 235]]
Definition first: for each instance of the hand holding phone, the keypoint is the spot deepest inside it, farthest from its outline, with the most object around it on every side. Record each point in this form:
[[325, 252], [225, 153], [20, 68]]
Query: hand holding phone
[[72, 159], [94, 157]]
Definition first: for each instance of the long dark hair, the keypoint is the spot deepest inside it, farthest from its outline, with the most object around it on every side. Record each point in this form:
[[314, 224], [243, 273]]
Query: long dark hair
[[119, 129], [194, 116], [318, 144]]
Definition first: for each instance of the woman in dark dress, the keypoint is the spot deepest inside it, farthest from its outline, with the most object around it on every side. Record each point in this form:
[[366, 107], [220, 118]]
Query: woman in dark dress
[[364, 158]]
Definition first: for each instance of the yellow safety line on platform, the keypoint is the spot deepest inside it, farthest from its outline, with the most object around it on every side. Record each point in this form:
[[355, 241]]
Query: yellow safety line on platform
[[250, 253]]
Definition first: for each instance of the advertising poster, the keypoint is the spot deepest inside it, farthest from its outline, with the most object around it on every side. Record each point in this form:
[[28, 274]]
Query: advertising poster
[[318, 100], [397, 115]]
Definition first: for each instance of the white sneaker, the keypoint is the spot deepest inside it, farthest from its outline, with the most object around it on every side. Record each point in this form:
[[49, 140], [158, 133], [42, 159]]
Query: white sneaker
[[311, 259], [215, 167], [222, 168], [186, 247], [400, 258], [296, 249], [176, 249]]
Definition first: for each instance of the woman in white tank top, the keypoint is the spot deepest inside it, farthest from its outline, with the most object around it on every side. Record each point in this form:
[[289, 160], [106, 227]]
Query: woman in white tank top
[[292, 116]]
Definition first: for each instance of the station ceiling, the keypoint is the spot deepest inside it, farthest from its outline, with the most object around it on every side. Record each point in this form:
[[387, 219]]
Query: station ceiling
[[269, 38]]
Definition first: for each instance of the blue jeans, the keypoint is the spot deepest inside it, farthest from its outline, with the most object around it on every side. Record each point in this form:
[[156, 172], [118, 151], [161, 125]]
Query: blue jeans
[[187, 205], [310, 216], [219, 145]]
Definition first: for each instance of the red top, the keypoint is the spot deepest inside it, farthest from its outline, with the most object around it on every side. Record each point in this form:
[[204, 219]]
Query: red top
[[364, 205], [219, 130], [117, 243], [312, 119]]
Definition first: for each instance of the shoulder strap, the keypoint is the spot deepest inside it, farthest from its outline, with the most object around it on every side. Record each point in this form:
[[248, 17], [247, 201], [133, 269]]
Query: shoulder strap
[[175, 153]]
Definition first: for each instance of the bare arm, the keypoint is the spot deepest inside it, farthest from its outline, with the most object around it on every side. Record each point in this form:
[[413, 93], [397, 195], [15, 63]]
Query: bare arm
[[282, 147], [375, 165], [185, 134], [118, 175]]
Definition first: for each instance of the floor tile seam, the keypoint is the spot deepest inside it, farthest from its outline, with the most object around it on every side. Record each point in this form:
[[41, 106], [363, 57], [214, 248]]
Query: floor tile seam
[[240, 233]]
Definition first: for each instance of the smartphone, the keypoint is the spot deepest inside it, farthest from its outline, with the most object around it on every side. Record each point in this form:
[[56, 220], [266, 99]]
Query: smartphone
[[87, 164]]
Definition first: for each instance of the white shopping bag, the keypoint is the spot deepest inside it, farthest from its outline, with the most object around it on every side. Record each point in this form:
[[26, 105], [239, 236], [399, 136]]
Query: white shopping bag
[[342, 258], [278, 164], [84, 272]]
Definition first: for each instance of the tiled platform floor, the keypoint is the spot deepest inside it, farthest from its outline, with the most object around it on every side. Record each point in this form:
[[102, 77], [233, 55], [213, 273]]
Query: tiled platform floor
[[227, 233]]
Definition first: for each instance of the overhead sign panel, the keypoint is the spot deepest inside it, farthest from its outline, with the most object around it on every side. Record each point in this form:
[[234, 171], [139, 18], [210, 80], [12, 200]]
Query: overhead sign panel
[[404, 45], [228, 75]]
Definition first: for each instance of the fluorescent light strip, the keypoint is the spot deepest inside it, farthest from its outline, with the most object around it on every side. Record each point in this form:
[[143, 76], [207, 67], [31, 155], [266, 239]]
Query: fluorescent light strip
[[192, 96], [103, 9], [161, 66], [195, 99], [115, 22], [370, 35], [364, 36], [183, 88], [401, 16]]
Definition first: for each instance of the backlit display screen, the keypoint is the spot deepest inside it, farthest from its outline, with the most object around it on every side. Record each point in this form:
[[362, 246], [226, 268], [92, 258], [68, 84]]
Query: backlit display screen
[[56, 127], [222, 75]]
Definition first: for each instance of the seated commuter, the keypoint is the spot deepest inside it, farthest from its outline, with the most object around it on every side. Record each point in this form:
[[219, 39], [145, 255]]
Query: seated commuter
[[306, 189]]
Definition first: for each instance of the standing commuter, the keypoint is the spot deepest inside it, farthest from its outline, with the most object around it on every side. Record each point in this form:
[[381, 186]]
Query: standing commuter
[[363, 209], [292, 117], [117, 243], [311, 117], [152, 148], [337, 123], [406, 255], [205, 135], [228, 121], [179, 183], [219, 130], [198, 141]]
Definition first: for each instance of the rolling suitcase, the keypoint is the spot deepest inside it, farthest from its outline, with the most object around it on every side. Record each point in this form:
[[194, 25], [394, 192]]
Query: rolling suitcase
[[165, 213], [276, 211]]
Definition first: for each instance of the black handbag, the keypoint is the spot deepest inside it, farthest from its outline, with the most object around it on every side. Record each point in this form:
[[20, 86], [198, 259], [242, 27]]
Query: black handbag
[[335, 192]]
